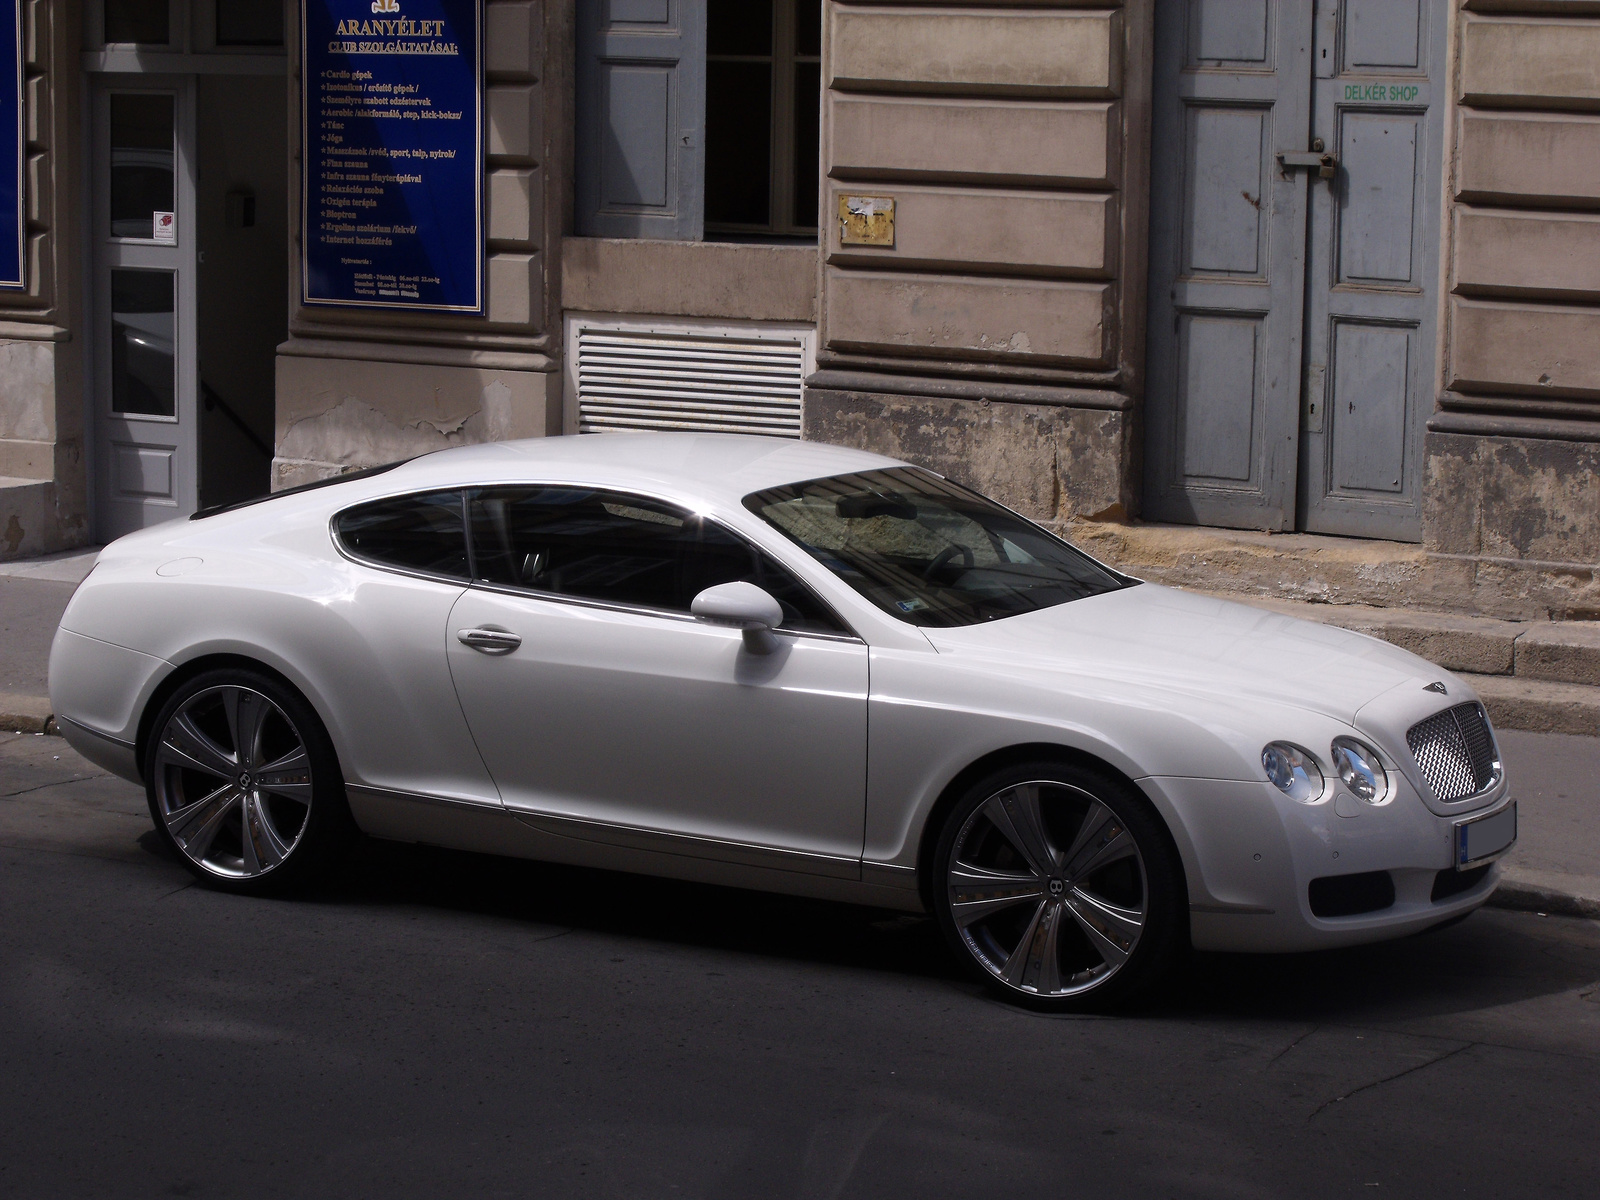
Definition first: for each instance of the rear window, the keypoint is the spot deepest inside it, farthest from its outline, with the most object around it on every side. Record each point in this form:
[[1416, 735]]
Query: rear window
[[929, 551], [424, 532]]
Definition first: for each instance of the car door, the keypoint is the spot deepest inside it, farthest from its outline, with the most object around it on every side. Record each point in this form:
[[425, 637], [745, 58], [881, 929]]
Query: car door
[[596, 698], [381, 670]]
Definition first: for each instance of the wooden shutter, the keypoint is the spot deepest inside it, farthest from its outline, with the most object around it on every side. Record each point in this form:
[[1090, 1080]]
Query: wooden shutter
[[734, 380], [641, 88]]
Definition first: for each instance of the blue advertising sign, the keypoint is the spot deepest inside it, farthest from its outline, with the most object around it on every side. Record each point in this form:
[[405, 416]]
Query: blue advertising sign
[[13, 220], [392, 190]]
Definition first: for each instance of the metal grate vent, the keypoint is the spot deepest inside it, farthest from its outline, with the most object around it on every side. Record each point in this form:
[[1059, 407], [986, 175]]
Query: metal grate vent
[[742, 382], [1456, 751]]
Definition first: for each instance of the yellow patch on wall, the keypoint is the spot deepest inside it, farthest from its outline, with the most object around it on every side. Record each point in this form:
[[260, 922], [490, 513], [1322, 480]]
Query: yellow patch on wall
[[866, 220]]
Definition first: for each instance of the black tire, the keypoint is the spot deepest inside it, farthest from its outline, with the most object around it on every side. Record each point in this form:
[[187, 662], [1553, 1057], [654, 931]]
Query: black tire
[[272, 818], [1043, 924]]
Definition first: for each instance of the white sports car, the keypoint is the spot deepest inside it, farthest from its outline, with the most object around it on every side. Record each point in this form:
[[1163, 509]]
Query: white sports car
[[783, 666]]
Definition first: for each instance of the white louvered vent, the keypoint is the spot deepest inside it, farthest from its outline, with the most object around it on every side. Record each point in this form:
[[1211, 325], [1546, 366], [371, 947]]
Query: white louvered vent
[[724, 379]]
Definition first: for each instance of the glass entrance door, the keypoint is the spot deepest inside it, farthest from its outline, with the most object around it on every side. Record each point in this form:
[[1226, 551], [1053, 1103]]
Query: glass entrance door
[[143, 278]]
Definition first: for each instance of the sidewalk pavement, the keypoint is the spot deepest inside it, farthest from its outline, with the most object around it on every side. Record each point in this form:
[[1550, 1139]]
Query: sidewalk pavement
[[1556, 864], [1555, 867], [33, 595]]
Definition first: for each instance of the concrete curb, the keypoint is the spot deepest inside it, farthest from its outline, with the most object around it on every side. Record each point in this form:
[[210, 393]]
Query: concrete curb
[[26, 714], [1525, 890], [1537, 706]]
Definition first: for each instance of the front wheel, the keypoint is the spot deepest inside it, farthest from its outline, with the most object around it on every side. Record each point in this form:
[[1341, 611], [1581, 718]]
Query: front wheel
[[244, 784], [1058, 886]]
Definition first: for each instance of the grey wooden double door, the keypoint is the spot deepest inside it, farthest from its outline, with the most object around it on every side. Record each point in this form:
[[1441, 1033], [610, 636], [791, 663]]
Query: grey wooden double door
[[1293, 297]]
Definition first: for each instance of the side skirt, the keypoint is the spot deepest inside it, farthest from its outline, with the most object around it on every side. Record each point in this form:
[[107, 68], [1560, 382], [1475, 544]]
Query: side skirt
[[490, 829]]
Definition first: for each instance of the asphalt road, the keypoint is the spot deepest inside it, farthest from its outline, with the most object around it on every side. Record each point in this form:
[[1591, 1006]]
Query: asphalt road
[[443, 1025]]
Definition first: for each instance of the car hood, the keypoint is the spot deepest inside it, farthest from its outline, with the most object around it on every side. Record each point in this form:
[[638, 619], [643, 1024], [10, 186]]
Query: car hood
[[1150, 636]]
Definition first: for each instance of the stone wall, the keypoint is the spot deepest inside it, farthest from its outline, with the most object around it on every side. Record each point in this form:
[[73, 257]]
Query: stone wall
[[715, 280], [1000, 337], [1000, 135], [43, 486], [1512, 453]]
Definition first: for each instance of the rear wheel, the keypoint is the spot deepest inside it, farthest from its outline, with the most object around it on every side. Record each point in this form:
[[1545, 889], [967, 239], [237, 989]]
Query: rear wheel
[[1057, 886], [243, 782]]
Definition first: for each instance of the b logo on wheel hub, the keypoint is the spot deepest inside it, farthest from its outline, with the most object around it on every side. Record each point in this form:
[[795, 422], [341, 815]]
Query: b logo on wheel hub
[[244, 779], [1057, 886]]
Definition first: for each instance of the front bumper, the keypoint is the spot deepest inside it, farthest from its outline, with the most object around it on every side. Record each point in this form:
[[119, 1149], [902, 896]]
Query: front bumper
[[1251, 854]]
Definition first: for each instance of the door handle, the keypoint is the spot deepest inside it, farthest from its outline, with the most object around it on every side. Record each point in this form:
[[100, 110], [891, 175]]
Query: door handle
[[490, 641], [1325, 165]]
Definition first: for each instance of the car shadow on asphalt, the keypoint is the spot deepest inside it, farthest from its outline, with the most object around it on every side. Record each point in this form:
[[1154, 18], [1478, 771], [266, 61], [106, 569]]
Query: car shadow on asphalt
[[1494, 958]]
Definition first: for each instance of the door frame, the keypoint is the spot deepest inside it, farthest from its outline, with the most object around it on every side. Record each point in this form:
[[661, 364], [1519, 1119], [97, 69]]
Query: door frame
[[1285, 501], [190, 52], [106, 254]]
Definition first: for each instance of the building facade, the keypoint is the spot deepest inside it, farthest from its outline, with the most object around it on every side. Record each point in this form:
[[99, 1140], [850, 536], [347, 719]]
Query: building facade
[[1328, 267]]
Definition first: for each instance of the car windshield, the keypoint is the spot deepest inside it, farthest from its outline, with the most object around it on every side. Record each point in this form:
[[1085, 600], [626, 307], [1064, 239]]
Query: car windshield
[[929, 551]]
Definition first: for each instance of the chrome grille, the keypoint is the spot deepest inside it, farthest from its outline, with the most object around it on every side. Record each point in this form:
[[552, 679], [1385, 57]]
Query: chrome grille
[[1456, 751]]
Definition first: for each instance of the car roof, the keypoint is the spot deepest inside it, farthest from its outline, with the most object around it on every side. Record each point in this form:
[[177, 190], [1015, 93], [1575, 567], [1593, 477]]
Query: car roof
[[720, 466]]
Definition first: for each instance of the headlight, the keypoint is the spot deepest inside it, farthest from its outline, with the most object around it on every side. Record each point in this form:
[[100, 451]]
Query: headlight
[[1294, 771], [1358, 765]]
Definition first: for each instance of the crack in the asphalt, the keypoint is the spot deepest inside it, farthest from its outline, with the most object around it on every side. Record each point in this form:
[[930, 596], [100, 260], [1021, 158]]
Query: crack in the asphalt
[[550, 937], [175, 891], [1291, 1045], [39, 787], [1388, 1079]]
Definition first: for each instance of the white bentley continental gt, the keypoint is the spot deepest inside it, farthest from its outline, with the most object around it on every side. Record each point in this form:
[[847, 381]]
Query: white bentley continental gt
[[784, 666]]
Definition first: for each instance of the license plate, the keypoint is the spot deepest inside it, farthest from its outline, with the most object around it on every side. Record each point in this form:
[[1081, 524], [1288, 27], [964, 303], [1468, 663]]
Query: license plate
[[1484, 838]]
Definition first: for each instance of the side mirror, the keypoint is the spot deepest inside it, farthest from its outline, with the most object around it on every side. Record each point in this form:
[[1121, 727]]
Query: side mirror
[[744, 606]]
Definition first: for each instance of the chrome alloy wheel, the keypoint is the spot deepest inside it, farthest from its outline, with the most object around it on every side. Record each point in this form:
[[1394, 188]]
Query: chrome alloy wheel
[[1047, 889], [232, 781]]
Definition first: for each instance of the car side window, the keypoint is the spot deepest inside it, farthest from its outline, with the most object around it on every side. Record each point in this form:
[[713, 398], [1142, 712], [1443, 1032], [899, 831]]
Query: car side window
[[417, 533], [623, 549]]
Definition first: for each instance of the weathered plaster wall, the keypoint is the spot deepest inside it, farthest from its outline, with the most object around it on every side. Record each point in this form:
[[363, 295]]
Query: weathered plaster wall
[[27, 411], [335, 414], [1516, 497], [1049, 462]]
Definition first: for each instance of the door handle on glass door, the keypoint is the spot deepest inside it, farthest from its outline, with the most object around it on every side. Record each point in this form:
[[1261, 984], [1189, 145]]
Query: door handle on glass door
[[490, 641]]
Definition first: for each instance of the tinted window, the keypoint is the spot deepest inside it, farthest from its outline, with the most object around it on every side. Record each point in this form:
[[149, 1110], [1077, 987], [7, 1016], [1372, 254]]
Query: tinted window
[[420, 533], [928, 551], [622, 549]]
